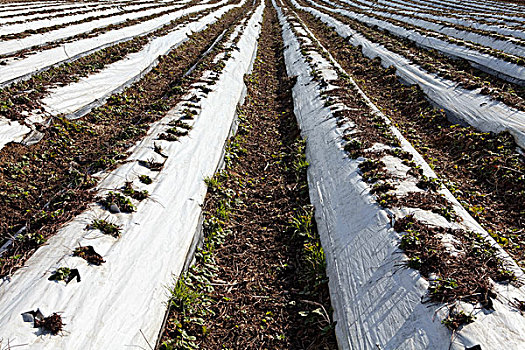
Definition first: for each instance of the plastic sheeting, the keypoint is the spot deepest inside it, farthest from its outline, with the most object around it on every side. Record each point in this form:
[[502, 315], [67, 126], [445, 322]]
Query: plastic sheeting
[[36, 16], [33, 4], [121, 304], [30, 8], [91, 91], [11, 46], [510, 46], [469, 6], [501, 68], [377, 304], [11, 131], [33, 64], [79, 98], [49, 22], [448, 17], [467, 107]]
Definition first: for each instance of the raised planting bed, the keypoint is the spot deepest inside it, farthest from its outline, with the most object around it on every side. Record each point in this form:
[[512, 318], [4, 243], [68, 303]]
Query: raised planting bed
[[104, 80], [28, 61], [96, 143], [16, 30], [153, 241], [22, 41], [369, 186], [258, 280], [509, 67], [483, 170], [484, 114], [77, 99], [457, 70]]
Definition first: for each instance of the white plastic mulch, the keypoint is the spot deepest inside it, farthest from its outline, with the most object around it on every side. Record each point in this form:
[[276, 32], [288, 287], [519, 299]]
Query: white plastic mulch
[[78, 98], [468, 107], [12, 46], [49, 22], [504, 69], [23, 68], [377, 302], [121, 304]]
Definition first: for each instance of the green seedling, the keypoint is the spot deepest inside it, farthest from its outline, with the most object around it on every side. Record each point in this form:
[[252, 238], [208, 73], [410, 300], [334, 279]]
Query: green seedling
[[106, 227], [456, 319], [65, 274], [180, 124], [353, 147], [175, 131], [121, 202], [151, 164], [145, 179], [158, 149], [128, 190], [429, 183]]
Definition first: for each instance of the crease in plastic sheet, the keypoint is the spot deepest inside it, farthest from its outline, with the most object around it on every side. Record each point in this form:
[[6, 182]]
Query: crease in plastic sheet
[[12, 46], [80, 97], [465, 106], [493, 9], [17, 8], [122, 303], [49, 22], [62, 5], [505, 70], [468, 6], [77, 99], [501, 20], [377, 304], [26, 67], [436, 7]]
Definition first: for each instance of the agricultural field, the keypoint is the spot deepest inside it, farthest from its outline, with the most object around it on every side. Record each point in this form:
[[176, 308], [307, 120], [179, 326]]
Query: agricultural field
[[262, 174]]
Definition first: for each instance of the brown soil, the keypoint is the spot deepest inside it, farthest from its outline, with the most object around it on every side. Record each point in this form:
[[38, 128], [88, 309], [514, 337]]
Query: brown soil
[[465, 276], [58, 13], [59, 26], [89, 254], [429, 33], [98, 31], [25, 95], [483, 170], [52, 324], [261, 286], [45, 185], [457, 70]]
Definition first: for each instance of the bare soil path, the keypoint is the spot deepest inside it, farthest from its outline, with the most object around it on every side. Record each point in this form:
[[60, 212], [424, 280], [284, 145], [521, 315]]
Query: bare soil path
[[264, 268]]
